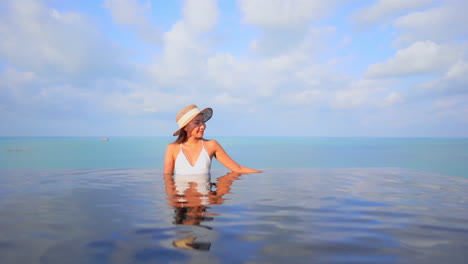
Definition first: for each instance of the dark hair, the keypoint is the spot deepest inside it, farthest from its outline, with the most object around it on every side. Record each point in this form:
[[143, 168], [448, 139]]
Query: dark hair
[[182, 137]]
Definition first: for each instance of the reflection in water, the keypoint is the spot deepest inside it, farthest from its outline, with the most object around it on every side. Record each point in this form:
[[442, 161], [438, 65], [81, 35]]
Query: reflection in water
[[190, 196], [345, 215]]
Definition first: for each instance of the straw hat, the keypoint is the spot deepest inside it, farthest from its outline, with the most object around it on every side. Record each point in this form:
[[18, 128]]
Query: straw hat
[[188, 113]]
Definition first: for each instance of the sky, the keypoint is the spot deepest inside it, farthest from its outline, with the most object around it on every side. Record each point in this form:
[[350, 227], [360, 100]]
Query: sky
[[336, 68]]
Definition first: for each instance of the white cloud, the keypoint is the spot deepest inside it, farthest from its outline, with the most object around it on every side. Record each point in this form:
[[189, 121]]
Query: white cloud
[[25, 92], [384, 9], [312, 97], [358, 93], [64, 95], [32, 95], [346, 40], [458, 71], [285, 25], [455, 81], [63, 44], [185, 49], [128, 12], [449, 102], [452, 107], [142, 101], [189, 65], [420, 58], [441, 24], [246, 79], [309, 41], [201, 15], [11, 78], [183, 56], [392, 99], [315, 75], [351, 98], [227, 99], [136, 16], [58, 63], [225, 71], [16, 87], [279, 13], [460, 115]]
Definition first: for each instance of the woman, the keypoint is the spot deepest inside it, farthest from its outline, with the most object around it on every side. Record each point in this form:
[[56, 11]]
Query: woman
[[191, 153]]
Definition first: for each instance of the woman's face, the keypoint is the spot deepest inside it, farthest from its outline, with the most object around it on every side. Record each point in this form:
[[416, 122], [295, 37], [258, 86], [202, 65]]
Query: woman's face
[[196, 127]]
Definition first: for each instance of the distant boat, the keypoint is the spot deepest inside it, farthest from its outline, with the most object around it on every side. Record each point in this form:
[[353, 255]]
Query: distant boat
[[16, 150], [105, 139]]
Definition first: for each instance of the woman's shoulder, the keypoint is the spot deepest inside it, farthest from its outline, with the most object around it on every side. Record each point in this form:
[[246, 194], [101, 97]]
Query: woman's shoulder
[[172, 146], [211, 146], [210, 142]]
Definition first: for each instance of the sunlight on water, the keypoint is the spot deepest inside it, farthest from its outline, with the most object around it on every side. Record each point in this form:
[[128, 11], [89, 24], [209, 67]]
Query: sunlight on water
[[348, 215]]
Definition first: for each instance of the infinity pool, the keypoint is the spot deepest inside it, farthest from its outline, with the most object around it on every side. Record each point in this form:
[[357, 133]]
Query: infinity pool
[[345, 215]]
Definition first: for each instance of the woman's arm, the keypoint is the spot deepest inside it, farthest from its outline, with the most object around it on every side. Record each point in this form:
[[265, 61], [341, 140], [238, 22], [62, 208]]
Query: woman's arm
[[170, 185], [228, 162], [169, 160]]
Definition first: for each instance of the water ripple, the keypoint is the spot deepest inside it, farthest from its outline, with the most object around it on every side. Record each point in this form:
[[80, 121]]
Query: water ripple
[[346, 215]]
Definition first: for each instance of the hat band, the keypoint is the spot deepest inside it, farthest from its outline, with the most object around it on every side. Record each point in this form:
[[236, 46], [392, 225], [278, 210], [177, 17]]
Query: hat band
[[187, 116]]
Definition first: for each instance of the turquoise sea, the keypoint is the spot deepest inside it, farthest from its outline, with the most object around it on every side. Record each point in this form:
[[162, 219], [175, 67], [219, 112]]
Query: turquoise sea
[[447, 156], [318, 200]]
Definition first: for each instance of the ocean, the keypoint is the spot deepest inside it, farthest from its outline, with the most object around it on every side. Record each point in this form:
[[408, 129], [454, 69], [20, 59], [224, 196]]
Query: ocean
[[318, 200], [447, 156]]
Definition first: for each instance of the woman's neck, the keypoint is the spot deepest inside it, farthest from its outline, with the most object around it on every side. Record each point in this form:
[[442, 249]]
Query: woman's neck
[[192, 141]]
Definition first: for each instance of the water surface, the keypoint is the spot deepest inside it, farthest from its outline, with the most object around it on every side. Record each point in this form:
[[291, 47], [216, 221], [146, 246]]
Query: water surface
[[322, 215]]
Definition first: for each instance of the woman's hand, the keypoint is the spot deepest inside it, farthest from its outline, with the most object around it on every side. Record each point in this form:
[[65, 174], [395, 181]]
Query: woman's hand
[[227, 161]]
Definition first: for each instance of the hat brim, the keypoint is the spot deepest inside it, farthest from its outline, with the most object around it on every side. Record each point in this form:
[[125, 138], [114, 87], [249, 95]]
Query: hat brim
[[207, 113]]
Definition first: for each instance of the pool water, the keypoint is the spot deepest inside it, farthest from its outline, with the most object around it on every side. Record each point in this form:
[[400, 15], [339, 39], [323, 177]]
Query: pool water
[[322, 215]]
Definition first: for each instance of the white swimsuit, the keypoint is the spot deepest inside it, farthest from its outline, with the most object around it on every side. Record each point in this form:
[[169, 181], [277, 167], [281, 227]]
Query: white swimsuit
[[185, 174], [183, 166]]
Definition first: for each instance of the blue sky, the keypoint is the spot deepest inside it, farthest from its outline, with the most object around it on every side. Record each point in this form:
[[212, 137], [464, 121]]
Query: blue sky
[[391, 68]]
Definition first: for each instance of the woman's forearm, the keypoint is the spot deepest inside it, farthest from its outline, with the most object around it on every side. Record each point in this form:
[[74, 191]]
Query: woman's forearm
[[243, 169]]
